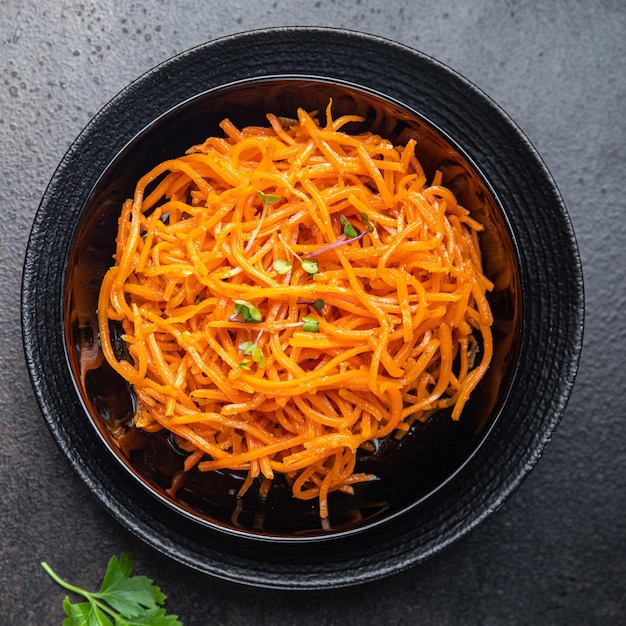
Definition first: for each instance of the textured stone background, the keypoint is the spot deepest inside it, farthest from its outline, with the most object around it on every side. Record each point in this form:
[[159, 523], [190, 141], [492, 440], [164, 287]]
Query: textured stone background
[[556, 553]]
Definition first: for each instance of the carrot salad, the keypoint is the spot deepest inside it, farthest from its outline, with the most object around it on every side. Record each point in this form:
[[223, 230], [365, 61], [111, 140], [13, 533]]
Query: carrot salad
[[290, 293]]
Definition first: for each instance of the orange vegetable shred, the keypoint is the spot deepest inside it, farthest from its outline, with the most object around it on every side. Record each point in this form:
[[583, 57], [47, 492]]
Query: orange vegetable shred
[[252, 224]]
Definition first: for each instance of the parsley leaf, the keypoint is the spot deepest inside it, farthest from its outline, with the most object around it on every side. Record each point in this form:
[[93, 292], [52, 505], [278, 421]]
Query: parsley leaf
[[282, 267], [127, 594], [122, 600], [258, 357]]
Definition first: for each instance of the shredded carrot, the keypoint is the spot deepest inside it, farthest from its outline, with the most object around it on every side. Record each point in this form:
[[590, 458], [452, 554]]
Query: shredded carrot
[[289, 293]]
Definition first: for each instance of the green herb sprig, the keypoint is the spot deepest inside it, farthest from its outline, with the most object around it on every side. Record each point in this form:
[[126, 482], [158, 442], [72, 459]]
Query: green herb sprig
[[122, 600]]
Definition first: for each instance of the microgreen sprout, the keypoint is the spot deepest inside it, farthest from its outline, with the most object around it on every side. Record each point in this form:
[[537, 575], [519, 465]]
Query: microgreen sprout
[[348, 230], [250, 348], [310, 325], [246, 347], [308, 265], [350, 234], [318, 304], [246, 312], [365, 218], [282, 266], [268, 199]]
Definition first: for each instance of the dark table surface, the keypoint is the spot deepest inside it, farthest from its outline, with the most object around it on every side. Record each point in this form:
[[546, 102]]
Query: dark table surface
[[556, 552]]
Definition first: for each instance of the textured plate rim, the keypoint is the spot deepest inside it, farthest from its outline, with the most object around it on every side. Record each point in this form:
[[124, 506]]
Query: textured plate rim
[[305, 570]]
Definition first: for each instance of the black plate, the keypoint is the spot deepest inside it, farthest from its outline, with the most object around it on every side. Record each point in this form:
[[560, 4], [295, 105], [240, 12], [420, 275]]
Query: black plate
[[550, 276]]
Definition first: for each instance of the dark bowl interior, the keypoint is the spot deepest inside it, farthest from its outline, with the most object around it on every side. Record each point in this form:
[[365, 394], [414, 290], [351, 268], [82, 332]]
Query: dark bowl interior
[[409, 469]]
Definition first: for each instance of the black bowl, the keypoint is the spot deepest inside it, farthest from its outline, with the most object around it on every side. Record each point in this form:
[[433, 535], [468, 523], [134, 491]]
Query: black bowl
[[441, 480], [408, 469]]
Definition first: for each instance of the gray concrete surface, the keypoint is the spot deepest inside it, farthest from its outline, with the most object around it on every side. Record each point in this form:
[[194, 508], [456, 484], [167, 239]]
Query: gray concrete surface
[[556, 553]]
